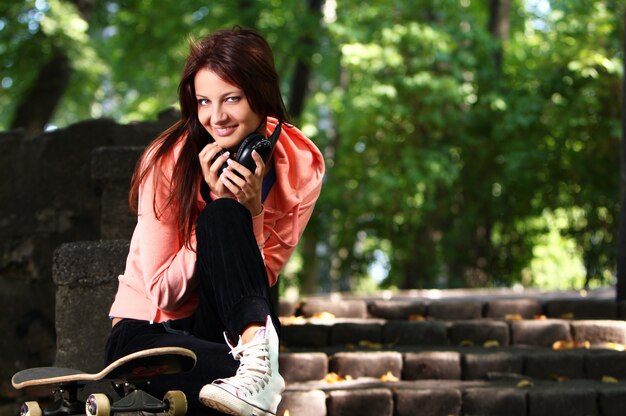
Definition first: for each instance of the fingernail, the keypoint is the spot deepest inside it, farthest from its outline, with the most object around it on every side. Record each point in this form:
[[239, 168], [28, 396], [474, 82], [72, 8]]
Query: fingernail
[[229, 161], [226, 154]]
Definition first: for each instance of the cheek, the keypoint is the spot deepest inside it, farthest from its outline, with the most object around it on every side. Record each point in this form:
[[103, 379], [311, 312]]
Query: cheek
[[203, 116]]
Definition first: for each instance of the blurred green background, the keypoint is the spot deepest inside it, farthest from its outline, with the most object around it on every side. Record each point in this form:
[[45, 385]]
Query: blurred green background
[[469, 143]]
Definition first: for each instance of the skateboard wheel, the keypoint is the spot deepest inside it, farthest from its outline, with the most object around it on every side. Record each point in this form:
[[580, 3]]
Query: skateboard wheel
[[177, 403], [98, 405], [30, 409]]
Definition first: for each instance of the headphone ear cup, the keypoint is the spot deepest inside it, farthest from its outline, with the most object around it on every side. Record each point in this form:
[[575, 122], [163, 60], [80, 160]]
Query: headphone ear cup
[[244, 153]]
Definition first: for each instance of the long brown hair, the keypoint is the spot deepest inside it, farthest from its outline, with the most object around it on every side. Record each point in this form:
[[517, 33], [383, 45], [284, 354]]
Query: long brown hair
[[239, 56]]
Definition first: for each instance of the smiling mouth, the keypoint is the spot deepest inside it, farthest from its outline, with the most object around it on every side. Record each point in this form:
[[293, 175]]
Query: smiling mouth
[[224, 131]]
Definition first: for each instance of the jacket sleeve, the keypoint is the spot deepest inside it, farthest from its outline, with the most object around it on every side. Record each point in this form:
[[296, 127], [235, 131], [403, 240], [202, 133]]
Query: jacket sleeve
[[168, 266], [280, 236]]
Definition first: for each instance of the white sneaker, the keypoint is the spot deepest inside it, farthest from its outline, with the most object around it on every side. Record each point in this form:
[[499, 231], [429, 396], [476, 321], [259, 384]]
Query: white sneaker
[[256, 388]]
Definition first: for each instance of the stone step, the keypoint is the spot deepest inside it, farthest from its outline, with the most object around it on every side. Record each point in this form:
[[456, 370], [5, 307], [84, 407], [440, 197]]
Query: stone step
[[303, 333], [403, 308], [444, 397], [457, 364]]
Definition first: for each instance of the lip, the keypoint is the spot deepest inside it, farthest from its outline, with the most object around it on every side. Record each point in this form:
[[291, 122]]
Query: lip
[[224, 131]]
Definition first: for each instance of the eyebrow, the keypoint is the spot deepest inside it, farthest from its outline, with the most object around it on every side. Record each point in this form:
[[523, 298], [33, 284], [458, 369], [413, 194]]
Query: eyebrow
[[234, 92]]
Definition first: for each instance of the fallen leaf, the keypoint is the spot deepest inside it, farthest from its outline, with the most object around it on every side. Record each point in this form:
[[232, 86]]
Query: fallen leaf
[[525, 383], [491, 343], [615, 346], [332, 378], [539, 317], [371, 345], [558, 378], [466, 343], [609, 379], [570, 345], [292, 320], [513, 317], [416, 317], [324, 315], [389, 377], [568, 315]]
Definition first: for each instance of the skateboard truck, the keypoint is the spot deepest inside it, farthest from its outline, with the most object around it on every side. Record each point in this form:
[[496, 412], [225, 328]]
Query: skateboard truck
[[174, 403]]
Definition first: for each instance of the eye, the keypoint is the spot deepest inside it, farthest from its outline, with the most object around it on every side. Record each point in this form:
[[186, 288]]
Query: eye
[[202, 101], [233, 99]]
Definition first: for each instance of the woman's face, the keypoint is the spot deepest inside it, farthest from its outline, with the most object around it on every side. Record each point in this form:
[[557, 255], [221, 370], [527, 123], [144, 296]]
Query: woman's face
[[223, 109]]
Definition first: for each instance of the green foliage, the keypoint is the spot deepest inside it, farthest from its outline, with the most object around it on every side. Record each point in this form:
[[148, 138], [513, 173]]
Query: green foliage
[[448, 167]]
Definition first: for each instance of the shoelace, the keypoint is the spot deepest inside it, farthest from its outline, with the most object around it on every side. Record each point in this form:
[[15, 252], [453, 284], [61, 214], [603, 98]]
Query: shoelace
[[254, 369]]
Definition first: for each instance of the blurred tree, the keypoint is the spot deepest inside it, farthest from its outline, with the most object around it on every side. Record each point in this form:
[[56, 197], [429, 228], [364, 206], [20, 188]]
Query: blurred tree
[[621, 245]]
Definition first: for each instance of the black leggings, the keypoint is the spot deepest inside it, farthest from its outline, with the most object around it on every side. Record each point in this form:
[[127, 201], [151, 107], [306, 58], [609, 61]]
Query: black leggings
[[233, 293]]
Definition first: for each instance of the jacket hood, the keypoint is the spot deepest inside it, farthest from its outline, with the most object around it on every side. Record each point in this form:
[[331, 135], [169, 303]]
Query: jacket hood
[[299, 166]]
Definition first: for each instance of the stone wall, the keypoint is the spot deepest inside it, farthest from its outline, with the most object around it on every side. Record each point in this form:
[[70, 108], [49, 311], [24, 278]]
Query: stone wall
[[51, 193]]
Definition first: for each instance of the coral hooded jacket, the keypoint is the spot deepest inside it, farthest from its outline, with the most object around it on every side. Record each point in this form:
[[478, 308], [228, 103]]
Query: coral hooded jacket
[[159, 280]]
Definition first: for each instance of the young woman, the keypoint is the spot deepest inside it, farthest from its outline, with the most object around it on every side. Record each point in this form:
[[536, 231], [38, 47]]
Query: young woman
[[213, 235]]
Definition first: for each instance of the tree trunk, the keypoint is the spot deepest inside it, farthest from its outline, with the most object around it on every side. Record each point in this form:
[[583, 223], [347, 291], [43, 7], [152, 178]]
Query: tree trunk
[[621, 240], [37, 107], [302, 73], [40, 102], [299, 90], [499, 25]]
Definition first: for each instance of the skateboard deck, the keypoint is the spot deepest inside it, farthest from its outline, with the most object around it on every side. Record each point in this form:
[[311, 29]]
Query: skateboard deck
[[125, 373]]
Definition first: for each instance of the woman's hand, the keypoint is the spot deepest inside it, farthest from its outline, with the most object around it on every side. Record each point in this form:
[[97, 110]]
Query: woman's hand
[[236, 181], [210, 169], [245, 185]]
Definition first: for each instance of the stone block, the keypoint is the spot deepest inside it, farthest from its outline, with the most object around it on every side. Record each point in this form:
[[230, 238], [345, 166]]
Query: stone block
[[345, 333], [599, 332], [112, 167], [562, 402], [89, 263], [526, 308], [479, 332], [341, 308], [304, 335], [86, 276], [309, 366], [430, 333], [432, 365], [612, 402], [397, 309], [452, 310], [485, 365], [494, 401], [377, 402], [581, 309], [114, 162], [366, 364], [303, 403], [606, 363], [554, 365], [542, 333], [428, 402], [286, 308]]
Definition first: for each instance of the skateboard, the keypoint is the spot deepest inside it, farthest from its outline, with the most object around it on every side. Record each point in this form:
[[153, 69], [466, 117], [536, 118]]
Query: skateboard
[[128, 375]]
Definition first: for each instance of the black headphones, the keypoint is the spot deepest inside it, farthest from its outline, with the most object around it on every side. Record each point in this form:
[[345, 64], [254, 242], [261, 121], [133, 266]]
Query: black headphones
[[255, 141]]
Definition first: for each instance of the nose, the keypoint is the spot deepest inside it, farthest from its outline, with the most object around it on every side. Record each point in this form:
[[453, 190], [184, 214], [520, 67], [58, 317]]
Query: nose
[[218, 115]]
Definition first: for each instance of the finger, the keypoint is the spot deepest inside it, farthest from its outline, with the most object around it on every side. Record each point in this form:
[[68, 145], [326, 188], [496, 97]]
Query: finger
[[227, 181], [260, 164], [239, 168], [234, 176]]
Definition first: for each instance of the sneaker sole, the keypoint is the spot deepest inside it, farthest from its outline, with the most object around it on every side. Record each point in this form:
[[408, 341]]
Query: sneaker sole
[[219, 399]]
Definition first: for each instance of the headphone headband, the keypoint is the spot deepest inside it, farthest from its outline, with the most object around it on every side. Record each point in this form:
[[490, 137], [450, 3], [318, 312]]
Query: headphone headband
[[274, 137]]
